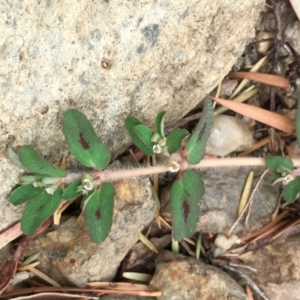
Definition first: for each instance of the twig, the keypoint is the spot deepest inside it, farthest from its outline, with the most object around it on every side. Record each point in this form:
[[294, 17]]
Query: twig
[[10, 234], [275, 69], [248, 280], [252, 195], [247, 205]]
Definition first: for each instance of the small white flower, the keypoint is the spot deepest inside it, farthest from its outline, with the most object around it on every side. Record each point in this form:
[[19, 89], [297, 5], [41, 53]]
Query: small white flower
[[87, 184], [288, 178], [175, 167], [50, 190], [157, 149]]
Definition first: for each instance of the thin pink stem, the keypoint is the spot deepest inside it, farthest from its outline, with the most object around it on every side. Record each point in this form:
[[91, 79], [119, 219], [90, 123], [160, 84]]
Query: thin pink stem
[[206, 163]]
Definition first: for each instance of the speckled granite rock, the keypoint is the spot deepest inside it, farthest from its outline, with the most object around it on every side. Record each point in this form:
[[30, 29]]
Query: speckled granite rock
[[277, 268], [186, 278], [108, 59]]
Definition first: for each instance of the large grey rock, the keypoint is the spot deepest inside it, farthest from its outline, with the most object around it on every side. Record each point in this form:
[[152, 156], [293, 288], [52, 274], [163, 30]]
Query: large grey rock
[[108, 59]]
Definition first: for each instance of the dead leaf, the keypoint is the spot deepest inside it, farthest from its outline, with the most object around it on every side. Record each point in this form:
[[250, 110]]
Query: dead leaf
[[269, 79], [261, 115]]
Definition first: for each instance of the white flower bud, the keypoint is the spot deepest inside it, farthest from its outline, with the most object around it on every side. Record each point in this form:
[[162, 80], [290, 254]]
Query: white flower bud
[[157, 149], [175, 167], [288, 178], [87, 184], [50, 190]]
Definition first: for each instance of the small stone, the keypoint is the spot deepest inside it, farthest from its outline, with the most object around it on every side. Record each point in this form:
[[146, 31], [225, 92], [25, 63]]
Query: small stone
[[186, 278], [224, 242], [291, 113], [229, 134], [263, 47], [295, 147], [288, 102]]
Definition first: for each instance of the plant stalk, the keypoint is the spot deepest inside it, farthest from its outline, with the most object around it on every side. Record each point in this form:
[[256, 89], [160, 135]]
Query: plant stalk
[[109, 175]]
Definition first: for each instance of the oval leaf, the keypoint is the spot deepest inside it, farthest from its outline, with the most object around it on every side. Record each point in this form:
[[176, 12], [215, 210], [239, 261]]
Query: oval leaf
[[130, 125], [71, 191], [291, 190], [98, 212], [145, 136], [279, 164], [25, 193], [83, 141], [39, 210], [159, 121], [34, 163], [197, 142], [175, 138], [186, 194]]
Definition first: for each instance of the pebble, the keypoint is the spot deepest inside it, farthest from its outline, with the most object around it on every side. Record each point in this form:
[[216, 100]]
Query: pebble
[[229, 134]]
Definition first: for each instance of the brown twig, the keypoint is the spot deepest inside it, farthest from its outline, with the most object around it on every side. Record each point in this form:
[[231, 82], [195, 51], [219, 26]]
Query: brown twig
[[275, 68]]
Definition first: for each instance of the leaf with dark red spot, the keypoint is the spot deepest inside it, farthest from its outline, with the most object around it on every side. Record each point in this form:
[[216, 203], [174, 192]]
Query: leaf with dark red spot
[[186, 194], [85, 145], [83, 141], [98, 212], [186, 210], [197, 142]]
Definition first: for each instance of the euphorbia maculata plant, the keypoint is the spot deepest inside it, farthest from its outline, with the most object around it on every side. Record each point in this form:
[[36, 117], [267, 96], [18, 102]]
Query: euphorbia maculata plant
[[47, 186]]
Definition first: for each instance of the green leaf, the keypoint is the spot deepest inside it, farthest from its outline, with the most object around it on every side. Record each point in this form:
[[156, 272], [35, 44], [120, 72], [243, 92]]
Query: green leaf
[[83, 141], [197, 142], [145, 135], [298, 123], [39, 210], [71, 191], [131, 124], [175, 138], [98, 212], [279, 164], [291, 190], [159, 121], [186, 194], [34, 163], [25, 193]]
